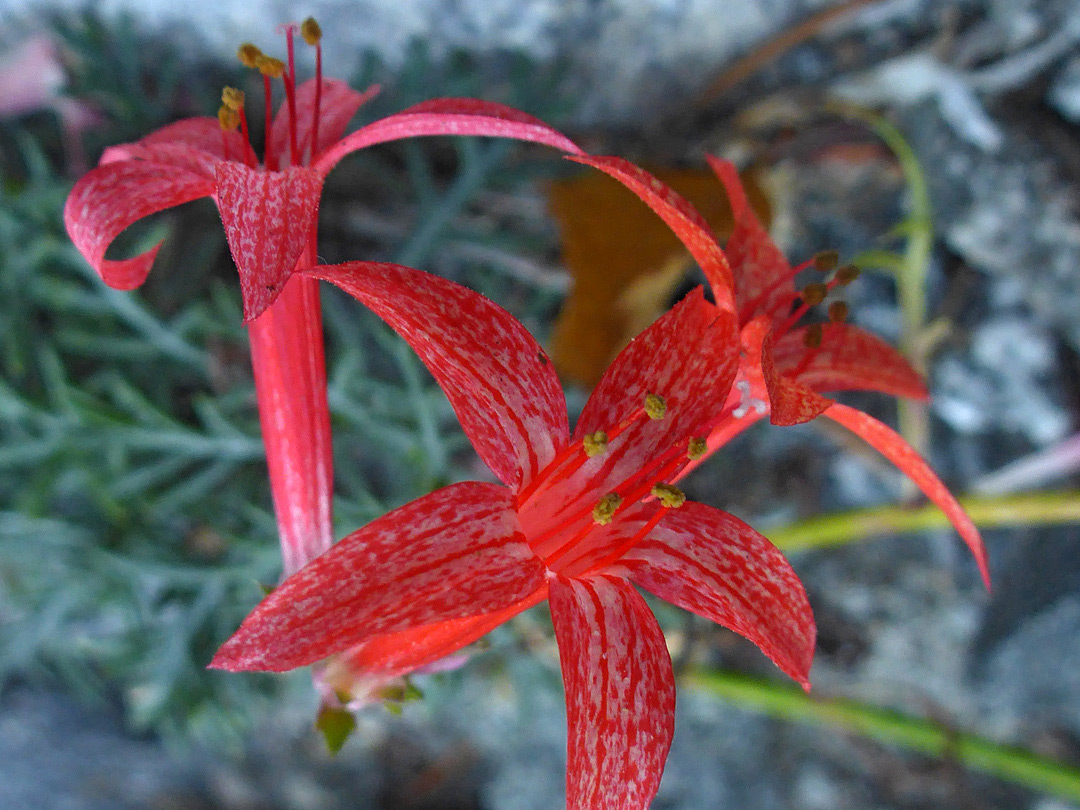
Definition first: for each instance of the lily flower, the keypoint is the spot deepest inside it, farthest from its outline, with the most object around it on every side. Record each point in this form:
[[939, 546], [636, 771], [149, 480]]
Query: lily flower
[[578, 519], [787, 368], [269, 212]]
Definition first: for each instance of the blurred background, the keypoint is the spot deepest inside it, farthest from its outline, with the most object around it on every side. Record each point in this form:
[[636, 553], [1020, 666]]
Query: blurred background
[[937, 144]]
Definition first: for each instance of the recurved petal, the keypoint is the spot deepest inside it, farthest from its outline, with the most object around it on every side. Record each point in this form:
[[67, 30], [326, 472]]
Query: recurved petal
[[620, 693], [455, 553], [688, 356], [712, 564], [685, 220], [790, 402], [337, 106], [499, 381], [763, 282], [892, 445], [109, 198], [849, 358], [269, 218], [197, 144], [449, 116]]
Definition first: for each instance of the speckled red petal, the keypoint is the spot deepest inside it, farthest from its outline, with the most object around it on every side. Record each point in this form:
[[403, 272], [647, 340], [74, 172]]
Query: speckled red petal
[[455, 553], [712, 564], [449, 116], [687, 224], [268, 219], [337, 106], [109, 198], [620, 693], [893, 446], [499, 381]]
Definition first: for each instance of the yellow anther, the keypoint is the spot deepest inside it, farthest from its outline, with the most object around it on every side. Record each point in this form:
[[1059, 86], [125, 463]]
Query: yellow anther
[[310, 31], [670, 496], [605, 508], [233, 98], [248, 55], [838, 312], [595, 444], [812, 336], [846, 274], [269, 66], [813, 294], [228, 118], [655, 406], [697, 448], [826, 261]]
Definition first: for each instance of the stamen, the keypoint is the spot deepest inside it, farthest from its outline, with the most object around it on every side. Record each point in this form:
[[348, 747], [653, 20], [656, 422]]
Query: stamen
[[228, 118], [655, 406], [605, 508], [812, 336], [270, 66], [697, 448], [232, 98], [312, 34], [669, 495], [813, 294], [310, 31], [846, 274], [290, 95], [826, 261], [595, 444], [751, 306], [248, 55], [838, 311]]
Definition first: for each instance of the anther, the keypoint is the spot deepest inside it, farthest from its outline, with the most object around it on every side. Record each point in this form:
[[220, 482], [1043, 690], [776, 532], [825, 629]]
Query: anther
[[595, 444], [248, 55], [310, 31], [605, 508], [826, 261], [838, 312], [846, 274], [697, 448], [228, 118], [670, 496], [813, 294], [655, 406], [233, 98], [812, 336], [269, 66]]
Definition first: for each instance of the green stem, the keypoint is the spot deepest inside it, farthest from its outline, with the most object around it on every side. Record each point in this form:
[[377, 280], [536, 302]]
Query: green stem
[[1004, 762], [1034, 509]]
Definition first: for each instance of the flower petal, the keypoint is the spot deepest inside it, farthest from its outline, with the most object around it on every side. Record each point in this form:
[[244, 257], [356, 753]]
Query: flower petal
[[763, 282], [197, 144], [620, 693], [268, 219], [392, 655], [789, 402], [498, 380], [691, 228], [109, 198], [849, 358], [689, 356], [454, 553], [337, 106], [448, 116], [712, 564], [892, 445], [290, 384]]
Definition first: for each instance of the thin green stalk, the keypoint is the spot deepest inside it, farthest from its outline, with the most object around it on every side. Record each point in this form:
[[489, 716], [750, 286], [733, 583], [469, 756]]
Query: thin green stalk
[[840, 528], [916, 734]]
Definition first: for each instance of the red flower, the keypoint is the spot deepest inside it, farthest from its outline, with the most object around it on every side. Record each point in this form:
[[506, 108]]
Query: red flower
[[578, 519], [785, 367], [269, 213]]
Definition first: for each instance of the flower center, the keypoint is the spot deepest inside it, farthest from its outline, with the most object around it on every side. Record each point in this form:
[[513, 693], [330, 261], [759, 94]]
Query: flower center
[[573, 517], [231, 114]]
